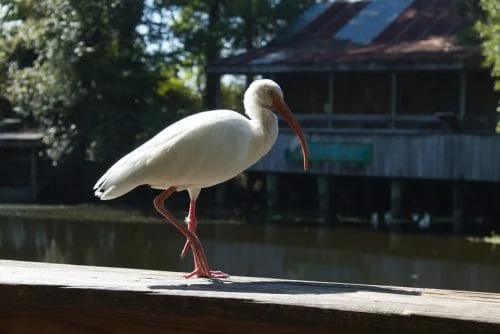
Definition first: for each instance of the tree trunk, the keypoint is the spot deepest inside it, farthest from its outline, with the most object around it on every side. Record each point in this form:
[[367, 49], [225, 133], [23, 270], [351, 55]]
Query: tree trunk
[[249, 32], [212, 52]]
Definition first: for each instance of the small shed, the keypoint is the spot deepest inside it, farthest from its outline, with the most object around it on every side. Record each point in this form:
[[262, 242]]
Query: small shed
[[18, 162]]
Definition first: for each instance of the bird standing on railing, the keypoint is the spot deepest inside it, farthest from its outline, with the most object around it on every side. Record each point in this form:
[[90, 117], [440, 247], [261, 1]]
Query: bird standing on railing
[[200, 151]]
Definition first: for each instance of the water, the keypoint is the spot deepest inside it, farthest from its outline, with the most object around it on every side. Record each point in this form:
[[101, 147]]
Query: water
[[337, 255]]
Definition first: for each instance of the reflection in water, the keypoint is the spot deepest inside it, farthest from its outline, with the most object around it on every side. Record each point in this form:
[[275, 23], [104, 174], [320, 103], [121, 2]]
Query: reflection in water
[[337, 255]]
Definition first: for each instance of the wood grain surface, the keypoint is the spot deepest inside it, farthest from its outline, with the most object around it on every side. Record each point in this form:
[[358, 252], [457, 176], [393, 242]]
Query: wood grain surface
[[56, 298]]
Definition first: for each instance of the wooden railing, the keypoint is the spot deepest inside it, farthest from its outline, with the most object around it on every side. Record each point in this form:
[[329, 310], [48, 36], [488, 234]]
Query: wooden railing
[[12, 134], [10, 124], [442, 121], [55, 298]]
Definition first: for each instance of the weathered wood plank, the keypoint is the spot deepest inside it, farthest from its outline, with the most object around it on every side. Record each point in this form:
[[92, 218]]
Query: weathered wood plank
[[367, 118], [470, 157], [440, 122], [55, 298]]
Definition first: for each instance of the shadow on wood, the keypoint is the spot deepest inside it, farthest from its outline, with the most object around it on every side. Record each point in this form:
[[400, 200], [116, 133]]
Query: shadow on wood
[[283, 287]]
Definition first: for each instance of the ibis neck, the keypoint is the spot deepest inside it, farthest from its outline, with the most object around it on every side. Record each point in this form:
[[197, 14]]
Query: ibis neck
[[265, 127]]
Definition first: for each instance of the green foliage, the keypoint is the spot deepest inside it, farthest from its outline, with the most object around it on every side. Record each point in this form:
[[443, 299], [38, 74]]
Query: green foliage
[[470, 12], [255, 23], [226, 26], [175, 91], [174, 100], [75, 69], [232, 96], [202, 31], [78, 71], [489, 30]]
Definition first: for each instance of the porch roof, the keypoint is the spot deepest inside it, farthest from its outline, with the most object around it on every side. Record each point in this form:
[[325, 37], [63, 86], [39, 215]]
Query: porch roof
[[364, 35]]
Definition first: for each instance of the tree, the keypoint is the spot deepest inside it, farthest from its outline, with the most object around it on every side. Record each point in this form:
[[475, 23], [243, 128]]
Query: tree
[[207, 30], [76, 69], [489, 30]]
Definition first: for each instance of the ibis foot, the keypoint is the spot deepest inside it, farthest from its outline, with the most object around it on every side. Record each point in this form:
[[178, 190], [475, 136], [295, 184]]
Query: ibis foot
[[212, 274]]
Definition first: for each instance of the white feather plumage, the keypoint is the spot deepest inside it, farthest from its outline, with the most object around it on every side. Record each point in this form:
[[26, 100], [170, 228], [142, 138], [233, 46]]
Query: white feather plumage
[[198, 151]]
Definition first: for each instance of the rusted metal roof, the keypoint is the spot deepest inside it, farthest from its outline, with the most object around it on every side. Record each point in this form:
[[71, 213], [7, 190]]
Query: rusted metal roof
[[368, 34]]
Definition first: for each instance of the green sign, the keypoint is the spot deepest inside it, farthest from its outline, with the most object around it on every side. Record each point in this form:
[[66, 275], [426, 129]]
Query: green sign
[[333, 152]]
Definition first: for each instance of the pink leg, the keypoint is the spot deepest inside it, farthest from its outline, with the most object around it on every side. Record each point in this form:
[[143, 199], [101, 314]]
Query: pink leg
[[191, 224], [201, 268]]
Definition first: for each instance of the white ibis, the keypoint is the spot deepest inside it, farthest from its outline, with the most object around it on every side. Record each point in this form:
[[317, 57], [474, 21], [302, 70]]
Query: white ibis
[[200, 151]]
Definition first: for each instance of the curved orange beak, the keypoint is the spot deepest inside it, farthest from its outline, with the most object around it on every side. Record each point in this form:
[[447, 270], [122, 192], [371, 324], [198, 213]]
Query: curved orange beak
[[287, 114]]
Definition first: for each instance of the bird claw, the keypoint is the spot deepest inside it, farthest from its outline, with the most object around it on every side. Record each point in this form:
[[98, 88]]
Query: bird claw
[[212, 274]]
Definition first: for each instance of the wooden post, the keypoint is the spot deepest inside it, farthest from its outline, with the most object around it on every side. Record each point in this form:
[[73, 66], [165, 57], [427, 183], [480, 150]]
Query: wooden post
[[220, 199], [331, 96], [394, 97], [271, 192], [270, 232], [463, 99], [249, 77], [396, 198], [218, 92], [323, 198], [33, 173], [458, 206], [325, 212]]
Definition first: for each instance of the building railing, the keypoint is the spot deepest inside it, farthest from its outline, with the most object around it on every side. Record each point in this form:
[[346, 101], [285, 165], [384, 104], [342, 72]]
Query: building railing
[[10, 124], [437, 122]]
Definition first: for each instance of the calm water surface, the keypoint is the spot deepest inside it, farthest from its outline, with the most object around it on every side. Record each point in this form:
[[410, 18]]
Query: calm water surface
[[337, 255]]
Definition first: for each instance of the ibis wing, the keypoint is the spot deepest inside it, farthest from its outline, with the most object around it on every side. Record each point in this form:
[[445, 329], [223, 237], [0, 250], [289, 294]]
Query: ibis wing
[[200, 150], [210, 153]]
